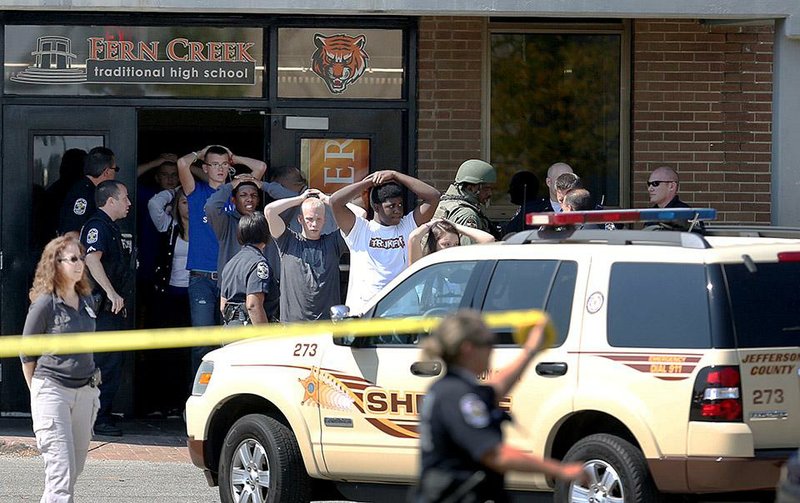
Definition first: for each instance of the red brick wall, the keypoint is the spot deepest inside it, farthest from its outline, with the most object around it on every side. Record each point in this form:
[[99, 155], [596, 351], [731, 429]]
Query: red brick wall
[[702, 103], [449, 95]]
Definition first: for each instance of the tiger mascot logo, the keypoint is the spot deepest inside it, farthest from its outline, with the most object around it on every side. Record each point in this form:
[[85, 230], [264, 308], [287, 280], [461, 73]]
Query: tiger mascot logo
[[339, 60]]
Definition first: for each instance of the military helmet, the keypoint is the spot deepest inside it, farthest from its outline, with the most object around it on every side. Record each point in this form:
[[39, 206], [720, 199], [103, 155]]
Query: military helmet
[[476, 171]]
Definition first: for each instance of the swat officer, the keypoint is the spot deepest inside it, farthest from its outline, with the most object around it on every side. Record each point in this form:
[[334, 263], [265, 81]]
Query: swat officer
[[110, 265], [245, 278], [464, 458], [79, 203], [463, 202]]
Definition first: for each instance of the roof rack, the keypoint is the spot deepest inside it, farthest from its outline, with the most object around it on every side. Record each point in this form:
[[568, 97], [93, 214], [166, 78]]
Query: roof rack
[[616, 237], [752, 231]]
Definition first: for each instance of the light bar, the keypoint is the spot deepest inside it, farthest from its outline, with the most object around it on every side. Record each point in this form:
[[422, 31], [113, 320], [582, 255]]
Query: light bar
[[653, 215]]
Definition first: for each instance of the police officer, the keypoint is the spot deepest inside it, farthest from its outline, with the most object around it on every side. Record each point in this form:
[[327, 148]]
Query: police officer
[[111, 268], [245, 279], [463, 202], [79, 203], [464, 458]]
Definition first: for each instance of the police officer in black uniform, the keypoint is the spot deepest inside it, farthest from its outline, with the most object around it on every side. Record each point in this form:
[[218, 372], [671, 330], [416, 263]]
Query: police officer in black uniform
[[464, 458], [79, 203], [111, 268], [245, 279]]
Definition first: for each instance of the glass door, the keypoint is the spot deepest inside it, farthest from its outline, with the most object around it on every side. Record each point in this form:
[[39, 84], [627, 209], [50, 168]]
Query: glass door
[[39, 148]]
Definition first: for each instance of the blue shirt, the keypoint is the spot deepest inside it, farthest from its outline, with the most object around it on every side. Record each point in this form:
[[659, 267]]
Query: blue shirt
[[203, 244]]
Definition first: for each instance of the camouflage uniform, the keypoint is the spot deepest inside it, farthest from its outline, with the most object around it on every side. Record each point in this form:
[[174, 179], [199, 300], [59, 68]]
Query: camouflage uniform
[[461, 206]]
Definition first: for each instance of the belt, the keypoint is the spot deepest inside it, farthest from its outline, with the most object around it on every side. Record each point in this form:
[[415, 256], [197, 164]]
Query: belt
[[204, 274]]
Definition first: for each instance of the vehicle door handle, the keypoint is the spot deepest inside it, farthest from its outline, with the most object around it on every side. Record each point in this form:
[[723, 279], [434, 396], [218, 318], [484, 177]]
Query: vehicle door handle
[[426, 368], [551, 368]]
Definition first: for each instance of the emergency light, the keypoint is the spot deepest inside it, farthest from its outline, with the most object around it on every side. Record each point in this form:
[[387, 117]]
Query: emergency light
[[653, 215]]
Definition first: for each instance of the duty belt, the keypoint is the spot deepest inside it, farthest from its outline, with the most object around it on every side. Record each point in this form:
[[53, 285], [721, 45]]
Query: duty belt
[[235, 311]]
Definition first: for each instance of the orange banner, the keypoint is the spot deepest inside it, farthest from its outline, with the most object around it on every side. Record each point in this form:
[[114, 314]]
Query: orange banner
[[332, 163]]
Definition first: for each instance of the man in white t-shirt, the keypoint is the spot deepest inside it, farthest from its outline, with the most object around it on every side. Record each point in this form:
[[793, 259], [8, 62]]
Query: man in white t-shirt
[[379, 247]]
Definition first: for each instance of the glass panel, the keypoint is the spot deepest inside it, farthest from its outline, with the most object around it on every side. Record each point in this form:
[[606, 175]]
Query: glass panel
[[340, 63], [556, 97], [332, 163], [433, 291], [52, 176], [175, 61], [765, 320], [658, 306]]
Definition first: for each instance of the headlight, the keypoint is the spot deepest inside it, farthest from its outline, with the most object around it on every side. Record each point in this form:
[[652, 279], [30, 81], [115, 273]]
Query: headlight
[[202, 378]]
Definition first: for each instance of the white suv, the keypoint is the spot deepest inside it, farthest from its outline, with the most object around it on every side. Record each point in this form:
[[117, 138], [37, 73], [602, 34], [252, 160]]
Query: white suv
[[675, 371]]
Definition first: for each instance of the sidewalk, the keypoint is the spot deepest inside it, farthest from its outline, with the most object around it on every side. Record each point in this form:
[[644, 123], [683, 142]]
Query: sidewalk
[[161, 440]]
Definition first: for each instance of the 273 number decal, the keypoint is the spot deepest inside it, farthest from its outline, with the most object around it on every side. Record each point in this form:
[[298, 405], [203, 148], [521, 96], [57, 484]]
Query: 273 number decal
[[766, 396], [305, 350]]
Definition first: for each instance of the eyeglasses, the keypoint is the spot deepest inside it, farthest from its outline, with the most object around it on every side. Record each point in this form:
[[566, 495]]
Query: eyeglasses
[[656, 183], [217, 165], [73, 259]]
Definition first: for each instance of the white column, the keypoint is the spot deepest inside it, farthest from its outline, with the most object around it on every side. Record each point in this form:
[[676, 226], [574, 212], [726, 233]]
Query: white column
[[786, 127]]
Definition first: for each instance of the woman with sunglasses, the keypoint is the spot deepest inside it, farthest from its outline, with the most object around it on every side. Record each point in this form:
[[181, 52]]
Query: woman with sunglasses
[[63, 387], [464, 457]]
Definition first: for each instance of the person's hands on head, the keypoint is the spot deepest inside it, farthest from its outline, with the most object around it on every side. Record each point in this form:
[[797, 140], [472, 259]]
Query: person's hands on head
[[167, 157], [311, 193], [244, 177], [384, 176]]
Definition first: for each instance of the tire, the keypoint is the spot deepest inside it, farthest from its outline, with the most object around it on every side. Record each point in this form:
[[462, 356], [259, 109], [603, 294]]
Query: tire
[[616, 470], [276, 472]]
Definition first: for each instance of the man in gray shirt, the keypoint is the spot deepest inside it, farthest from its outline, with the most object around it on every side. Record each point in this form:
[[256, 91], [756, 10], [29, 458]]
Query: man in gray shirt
[[309, 259]]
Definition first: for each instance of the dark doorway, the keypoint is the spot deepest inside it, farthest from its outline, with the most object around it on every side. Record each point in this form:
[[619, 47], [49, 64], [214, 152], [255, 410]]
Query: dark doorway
[[163, 377]]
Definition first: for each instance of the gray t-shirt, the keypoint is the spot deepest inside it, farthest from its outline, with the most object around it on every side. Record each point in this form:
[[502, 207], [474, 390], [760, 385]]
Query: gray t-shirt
[[309, 275], [49, 314]]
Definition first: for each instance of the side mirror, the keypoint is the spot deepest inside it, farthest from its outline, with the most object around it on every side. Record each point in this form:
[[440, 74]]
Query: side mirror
[[339, 312]]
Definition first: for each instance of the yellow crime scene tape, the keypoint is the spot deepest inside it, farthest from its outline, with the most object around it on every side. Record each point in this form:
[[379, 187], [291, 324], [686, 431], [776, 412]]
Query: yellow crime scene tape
[[127, 340]]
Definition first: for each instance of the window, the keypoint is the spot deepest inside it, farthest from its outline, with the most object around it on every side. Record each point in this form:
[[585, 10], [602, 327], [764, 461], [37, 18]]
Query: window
[[557, 97], [658, 306], [533, 284], [433, 291], [765, 304]]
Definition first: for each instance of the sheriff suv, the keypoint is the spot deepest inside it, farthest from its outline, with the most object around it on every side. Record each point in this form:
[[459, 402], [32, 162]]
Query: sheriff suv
[[675, 369]]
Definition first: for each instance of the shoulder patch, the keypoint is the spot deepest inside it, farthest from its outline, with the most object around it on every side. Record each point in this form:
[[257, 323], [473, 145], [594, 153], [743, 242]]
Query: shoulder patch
[[79, 208], [474, 411], [262, 271], [91, 236]]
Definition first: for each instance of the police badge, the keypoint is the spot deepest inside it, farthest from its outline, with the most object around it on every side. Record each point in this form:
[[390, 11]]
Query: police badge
[[262, 270], [79, 208]]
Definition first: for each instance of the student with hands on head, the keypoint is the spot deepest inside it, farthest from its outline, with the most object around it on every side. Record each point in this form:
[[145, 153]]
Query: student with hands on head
[[309, 259], [378, 247], [439, 234]]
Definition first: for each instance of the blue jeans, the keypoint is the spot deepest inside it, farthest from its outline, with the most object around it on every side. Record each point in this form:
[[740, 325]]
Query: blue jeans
[[204, 310]]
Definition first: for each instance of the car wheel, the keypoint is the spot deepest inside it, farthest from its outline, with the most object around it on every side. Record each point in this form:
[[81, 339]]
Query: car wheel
[[615, 472], [261, 463]]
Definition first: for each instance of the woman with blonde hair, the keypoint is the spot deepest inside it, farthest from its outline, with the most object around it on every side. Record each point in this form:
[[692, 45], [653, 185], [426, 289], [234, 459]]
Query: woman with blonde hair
[[64, 393], [439, 234], [464, 458]]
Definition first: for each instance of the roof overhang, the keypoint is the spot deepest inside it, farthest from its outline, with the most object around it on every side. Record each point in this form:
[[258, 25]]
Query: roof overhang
[[732, 10]]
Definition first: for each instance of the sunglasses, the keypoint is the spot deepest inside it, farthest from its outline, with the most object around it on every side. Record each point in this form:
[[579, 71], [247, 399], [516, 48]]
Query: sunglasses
[[73, 259], [656, 183]]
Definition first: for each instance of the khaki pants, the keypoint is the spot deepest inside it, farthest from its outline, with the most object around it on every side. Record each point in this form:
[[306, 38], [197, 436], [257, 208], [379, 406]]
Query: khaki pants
[[62, 421]]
